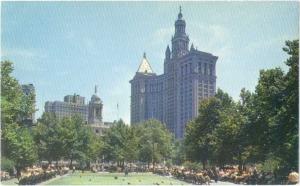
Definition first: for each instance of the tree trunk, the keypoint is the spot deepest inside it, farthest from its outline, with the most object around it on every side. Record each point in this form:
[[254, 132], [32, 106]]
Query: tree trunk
[[18, 173], [71, 164], [204, 164], [240, 166]]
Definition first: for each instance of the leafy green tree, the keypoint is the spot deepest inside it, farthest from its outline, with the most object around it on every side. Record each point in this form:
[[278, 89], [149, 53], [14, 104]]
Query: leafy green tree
[[276, 113], [178, 152], [69, 132], [16, 141], [94, 145], [247, 133], [262, 127], [199, 137], [155, 142], [47, 139], [15, 106], [19, 146], [289, 114], [120, 143], [11, 95]]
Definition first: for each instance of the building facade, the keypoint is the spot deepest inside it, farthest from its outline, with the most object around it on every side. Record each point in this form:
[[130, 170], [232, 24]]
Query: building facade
[[72, 105], [29, 90], [75, 105], [173, 97]]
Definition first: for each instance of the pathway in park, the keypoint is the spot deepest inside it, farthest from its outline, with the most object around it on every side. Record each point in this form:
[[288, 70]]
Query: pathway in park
[[222, 183], [89, 178]]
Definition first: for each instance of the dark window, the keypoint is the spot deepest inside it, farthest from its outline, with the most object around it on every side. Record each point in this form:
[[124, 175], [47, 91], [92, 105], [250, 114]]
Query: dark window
[[211, 69], [199, 68]]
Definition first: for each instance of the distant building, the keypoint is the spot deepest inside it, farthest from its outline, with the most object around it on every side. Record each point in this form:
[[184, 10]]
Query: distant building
[[95, 109], [95, 114], [72, 105], [173, 97], [28, 89], [75, 104], [76, 99]]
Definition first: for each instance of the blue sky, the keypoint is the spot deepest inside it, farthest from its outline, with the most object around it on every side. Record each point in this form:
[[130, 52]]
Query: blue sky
[[68, 47]]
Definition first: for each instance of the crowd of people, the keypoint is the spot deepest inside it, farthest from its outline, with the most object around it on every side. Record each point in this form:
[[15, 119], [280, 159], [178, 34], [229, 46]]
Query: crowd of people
[[226, 174], [4, 175], [38, 174]]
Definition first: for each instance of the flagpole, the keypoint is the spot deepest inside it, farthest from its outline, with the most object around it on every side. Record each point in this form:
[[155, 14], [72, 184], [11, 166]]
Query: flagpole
[[118, 111]]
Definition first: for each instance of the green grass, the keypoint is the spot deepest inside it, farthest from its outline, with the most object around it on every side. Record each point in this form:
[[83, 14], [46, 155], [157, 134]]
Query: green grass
[[13, 181], [89, 178]]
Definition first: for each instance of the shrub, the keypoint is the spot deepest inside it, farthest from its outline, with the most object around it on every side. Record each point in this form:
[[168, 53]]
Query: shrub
[[192, 165], [7, 165], [35, 179]]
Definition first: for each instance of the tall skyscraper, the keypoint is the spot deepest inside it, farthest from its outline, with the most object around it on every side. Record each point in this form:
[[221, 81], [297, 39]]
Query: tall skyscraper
[[173, 97]]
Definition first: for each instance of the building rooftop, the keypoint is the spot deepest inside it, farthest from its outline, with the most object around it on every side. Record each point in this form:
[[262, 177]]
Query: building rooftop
[[145, 66]]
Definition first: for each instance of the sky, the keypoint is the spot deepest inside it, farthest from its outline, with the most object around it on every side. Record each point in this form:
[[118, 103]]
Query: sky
[[69, 47]]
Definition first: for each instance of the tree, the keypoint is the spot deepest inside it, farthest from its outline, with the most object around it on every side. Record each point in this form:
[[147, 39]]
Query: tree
[[11, 95], [154, 142], [178, 152], [247, 135], [262, 127], [289, 114], [120, 143], [47, 139], [68, 138], [16, 140], [19, 146], [94, 145], [199, 137], [276, 108]]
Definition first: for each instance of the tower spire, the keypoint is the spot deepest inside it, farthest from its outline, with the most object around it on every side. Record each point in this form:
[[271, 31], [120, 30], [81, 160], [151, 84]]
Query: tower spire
[[144, 55], [96, 87], [180, 14], [180, 41]]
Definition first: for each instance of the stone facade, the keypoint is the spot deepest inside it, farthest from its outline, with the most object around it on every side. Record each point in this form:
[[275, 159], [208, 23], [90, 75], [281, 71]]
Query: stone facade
[[173, 97], [74, 104]]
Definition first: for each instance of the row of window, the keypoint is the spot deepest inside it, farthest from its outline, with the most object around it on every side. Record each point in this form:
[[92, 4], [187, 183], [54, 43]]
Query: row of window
[[202, 68]]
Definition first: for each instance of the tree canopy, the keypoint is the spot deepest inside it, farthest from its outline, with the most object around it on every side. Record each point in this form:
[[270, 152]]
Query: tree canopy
[[262, 127]]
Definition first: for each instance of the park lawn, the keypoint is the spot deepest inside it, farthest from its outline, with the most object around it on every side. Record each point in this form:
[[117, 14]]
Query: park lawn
[[13, 181], [89, 178]]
